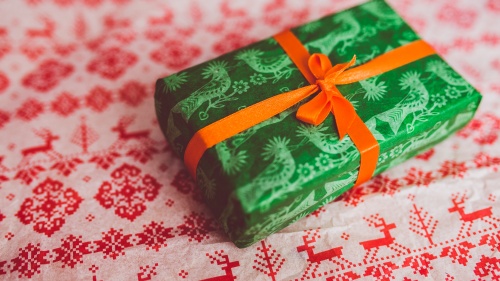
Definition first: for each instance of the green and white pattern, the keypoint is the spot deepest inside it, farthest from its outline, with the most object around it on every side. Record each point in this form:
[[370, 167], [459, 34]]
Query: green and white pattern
[[264, 178]]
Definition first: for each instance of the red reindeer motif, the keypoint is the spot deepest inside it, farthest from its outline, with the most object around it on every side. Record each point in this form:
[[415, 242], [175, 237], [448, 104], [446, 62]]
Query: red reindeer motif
[[320, 256], [314, 260], [468, 219], [372, 246], [124, 136], [45, 148], [228, 267]]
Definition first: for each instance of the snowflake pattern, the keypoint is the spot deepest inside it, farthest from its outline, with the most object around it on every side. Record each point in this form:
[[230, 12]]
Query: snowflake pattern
[[49, 206], [127, 192]]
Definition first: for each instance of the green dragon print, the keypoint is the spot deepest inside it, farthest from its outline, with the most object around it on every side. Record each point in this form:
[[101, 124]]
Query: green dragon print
[[347, 36], [457, 86], [231, 158], [218, 85], [387, 19], [277, 174], [415, 101], [325, 142], [277, 67]]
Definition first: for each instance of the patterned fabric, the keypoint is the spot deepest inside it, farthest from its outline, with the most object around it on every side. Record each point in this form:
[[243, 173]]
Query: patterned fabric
[[280, 170], [89, 189]]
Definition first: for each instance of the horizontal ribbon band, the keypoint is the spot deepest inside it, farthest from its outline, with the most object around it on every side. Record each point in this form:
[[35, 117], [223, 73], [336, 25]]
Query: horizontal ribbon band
[[252, 115]]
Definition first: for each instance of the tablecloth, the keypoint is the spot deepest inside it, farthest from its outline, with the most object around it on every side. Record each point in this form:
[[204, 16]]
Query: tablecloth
[[89, 189]]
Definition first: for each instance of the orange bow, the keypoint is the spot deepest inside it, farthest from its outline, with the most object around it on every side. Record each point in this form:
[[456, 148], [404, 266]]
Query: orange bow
[[329, 99]]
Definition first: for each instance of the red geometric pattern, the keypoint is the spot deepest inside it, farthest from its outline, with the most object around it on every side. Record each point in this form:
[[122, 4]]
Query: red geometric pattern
[[79, 132], [112, 63], [71, 251], [127, 192], [49, 206], [196, 227], [48, 74]]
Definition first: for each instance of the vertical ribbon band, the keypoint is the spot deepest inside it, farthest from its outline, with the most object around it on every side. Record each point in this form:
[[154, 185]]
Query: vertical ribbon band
[[318, 69], [323, 77]]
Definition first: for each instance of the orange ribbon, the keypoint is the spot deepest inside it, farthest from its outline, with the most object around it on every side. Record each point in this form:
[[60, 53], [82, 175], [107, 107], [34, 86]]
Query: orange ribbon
[[318, 70]]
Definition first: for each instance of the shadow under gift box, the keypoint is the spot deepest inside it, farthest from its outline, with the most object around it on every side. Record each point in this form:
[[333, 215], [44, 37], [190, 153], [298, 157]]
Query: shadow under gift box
[[265, 178]]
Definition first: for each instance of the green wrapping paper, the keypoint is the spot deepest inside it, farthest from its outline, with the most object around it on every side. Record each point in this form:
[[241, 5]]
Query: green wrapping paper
[[280, 170]]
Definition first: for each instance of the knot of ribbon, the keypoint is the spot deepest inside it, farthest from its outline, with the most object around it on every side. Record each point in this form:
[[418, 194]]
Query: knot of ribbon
[[329, 99]]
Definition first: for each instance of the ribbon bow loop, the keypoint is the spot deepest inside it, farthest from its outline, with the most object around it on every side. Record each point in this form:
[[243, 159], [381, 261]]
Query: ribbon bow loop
[[329, 99]]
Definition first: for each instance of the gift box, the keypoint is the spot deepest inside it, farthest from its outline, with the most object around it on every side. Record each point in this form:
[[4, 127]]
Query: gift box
[[280, 169]]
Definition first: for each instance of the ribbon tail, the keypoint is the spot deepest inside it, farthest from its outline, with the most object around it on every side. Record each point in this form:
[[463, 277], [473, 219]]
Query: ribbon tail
[[368, 148], [344, 113], [314, 111]]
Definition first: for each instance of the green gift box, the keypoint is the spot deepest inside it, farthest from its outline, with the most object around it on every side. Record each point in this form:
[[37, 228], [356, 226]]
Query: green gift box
[[264, 178]]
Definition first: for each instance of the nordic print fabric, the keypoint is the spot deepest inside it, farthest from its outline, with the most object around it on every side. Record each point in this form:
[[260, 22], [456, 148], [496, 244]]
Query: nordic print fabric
[[90, 190]]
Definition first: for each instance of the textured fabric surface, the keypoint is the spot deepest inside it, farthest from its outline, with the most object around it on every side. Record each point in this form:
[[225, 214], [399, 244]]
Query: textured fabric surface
[[89, 189]]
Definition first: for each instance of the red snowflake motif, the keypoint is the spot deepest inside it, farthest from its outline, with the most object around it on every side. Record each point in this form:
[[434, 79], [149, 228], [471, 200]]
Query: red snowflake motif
[[383, 184], [99, 99], [4, 82], [27, 175], [418, 177], [155, 35], [113, 243], [29, 260], [71, 251], [454, 169], [133, 93], [458, 253], [494, 5], [67, 166], [4, 118], [65, 104], [175, 54], [111, 63], [142, 154], [484, 129], [382, 272], [49, 206], [488, 266], [154, 236], [484, 160], [354, 196], [461, 17], [196, 226], [421, 264], [492, 240], [127, 192], [231, 41], [48, 74], [4, 43], [2, 216], [104, 161], [30, 109]]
